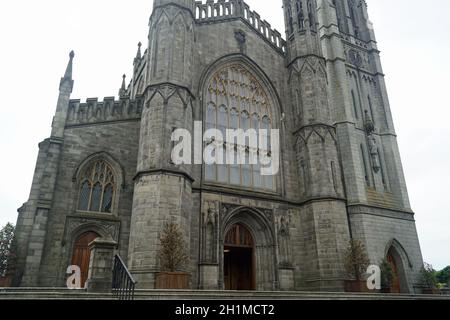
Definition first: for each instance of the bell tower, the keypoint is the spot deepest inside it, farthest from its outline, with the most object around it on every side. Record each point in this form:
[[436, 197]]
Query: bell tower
[[163, 191], [321, 188]]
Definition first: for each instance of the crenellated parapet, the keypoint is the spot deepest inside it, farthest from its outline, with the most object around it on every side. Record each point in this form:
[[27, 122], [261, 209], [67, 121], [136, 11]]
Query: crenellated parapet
[[110, 109], [221, 10]]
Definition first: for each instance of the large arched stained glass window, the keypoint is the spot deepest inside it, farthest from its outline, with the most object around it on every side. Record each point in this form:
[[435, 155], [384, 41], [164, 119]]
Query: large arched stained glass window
[[97, 188], [236, 100]]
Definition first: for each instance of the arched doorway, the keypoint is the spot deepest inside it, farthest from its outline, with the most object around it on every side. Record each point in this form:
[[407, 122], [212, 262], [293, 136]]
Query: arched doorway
[[81, 254], [239, 259], [395, 287]]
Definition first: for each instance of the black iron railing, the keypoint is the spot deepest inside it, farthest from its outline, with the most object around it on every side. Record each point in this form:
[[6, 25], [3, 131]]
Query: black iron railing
[[123, 283]]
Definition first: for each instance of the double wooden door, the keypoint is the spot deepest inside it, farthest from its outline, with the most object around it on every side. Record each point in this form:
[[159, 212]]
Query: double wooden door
[[81, 254], [239, 259]]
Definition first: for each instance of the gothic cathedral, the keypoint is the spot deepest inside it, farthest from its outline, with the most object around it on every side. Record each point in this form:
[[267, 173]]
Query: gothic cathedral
[[106, 171]]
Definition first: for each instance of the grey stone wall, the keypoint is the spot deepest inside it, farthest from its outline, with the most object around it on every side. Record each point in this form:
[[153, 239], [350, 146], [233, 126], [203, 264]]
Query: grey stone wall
[[302, 229], [117, 142]]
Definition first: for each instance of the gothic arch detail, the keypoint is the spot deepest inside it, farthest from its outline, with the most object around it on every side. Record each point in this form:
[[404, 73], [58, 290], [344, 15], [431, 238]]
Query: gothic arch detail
[[234, 98], [98, 181], [260, 223], [394, 243]]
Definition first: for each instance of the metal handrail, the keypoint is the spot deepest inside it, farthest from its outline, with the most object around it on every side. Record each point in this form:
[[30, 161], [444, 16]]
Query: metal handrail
[[123, 285]]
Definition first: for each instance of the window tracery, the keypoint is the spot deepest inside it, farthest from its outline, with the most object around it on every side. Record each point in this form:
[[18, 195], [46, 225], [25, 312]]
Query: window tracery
[[97, 188], [236, 100]]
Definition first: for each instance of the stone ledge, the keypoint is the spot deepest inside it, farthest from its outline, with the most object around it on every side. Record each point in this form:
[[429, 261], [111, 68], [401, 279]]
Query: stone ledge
[[66, 294]]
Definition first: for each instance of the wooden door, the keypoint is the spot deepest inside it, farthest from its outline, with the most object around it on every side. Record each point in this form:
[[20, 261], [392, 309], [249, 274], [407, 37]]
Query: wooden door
[[395, 280], [239, 265], [81, 254]]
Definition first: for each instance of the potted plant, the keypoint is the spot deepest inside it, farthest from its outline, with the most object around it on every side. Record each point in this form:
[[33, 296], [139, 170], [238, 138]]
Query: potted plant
[[387, 276], [172, 257], [356, 264], [429, 279]]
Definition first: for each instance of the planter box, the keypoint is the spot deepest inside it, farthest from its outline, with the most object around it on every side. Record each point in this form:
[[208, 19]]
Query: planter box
[[356, 286], [430, 291], [385, 290], [172, 280], [5, 282]]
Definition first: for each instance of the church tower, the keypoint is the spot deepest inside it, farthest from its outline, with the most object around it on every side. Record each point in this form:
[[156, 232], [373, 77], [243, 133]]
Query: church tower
[[320, 183], [32, 223], [163, 191]]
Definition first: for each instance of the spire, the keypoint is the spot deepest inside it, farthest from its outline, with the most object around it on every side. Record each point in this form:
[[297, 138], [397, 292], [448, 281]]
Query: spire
[[123, 90], [68, 74]]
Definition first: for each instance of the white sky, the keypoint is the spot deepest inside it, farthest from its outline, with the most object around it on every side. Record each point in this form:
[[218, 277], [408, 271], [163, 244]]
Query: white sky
[[36, 37]]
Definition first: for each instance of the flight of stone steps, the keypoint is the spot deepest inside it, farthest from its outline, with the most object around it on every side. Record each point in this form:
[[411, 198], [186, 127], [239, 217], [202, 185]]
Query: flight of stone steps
[[66, 294]]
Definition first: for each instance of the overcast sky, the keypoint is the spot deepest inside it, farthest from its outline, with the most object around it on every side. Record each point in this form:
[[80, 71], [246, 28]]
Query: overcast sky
[[37, 36]]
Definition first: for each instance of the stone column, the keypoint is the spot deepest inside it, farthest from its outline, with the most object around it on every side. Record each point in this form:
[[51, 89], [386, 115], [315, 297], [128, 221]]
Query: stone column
[[101, 265]]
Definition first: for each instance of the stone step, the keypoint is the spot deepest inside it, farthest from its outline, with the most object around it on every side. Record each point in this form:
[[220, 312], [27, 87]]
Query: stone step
[[152, 295]]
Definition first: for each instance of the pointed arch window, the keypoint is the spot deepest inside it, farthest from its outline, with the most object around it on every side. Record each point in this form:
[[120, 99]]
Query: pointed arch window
[[355, 107], [300, 15], [369, 100], [97, 189], [365, 166], [311, 16], [290, 19], [243, 104]]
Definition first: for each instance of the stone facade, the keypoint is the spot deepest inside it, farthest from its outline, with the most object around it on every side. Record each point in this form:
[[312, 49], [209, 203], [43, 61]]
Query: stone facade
[[341, 175]]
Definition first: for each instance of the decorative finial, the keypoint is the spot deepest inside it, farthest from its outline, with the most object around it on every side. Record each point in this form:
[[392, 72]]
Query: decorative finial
[[123, 90], [139, 54], [68, 73]]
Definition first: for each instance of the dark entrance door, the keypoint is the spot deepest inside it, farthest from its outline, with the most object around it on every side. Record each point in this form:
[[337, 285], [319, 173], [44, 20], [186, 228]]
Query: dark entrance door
[[81, 254], [239, 259]]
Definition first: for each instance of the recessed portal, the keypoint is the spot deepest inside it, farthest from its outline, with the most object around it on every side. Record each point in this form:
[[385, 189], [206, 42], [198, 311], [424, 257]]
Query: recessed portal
[[239, 259], [82, 255], [396, 286]]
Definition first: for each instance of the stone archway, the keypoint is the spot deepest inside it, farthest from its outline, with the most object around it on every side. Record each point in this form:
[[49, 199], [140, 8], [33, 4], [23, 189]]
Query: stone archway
[[394, 255], [239, 259], [260, 244]]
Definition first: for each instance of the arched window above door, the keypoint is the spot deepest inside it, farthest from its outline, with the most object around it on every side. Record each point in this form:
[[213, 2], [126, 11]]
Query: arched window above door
[[236, 99], [97, 188]]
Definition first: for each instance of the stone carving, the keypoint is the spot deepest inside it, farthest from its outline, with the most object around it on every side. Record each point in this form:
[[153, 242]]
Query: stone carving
[[241, 39], [110, 228], [226, 209], [167, 91], [283, 221], [355, 58], [373, 147], [374, 153], [210, 232]]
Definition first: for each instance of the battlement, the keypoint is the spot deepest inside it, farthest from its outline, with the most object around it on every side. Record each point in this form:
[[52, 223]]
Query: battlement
[[110, 109], [231, 9]]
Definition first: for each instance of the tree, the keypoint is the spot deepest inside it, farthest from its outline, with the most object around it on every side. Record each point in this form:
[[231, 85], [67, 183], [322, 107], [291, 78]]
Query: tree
[[443, 276], [387, 274], [7, 249], [172, 254], [429, 276], [356, 260]]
